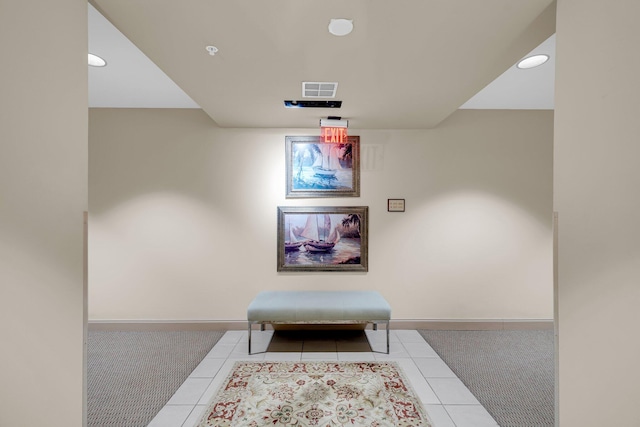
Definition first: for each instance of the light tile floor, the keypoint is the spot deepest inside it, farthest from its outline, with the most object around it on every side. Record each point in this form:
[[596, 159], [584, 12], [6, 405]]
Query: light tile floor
[[447, 401]]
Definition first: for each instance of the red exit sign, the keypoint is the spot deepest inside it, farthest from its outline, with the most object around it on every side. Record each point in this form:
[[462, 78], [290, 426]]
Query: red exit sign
[[333, 135]]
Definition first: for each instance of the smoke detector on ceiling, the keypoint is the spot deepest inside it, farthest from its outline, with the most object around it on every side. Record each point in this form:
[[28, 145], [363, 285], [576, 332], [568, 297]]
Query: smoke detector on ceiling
[[340, 26]]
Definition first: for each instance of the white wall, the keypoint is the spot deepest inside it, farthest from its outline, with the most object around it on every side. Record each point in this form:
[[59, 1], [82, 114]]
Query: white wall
[[43, 193], [183, 217], [596, 196]]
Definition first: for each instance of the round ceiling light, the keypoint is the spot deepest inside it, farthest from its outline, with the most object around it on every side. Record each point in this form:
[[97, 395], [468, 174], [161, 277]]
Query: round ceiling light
[[340, 27], [533, 61], [96, 61]]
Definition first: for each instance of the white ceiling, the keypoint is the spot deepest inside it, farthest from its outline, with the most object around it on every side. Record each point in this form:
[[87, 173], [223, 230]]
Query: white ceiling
[[132, 80], [518, 89]]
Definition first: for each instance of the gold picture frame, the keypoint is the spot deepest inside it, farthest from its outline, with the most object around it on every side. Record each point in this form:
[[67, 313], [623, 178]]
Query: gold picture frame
[[323, 238]]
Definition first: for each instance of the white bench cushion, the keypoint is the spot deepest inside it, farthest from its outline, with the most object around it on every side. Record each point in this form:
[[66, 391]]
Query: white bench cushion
[[318, 306]]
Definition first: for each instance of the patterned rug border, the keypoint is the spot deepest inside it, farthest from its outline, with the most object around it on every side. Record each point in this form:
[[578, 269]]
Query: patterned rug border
[[394, 364]]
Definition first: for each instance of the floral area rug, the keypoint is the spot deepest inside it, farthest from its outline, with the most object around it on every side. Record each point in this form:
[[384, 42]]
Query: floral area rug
[[300, 394]]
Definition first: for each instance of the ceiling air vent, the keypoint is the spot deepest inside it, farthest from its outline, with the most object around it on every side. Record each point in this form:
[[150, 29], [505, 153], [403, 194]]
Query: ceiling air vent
[[319, 89], [312, 104]]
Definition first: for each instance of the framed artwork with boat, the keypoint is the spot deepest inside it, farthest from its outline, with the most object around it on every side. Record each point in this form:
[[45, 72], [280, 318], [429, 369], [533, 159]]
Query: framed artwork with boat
[[323, 238], [322, 169]]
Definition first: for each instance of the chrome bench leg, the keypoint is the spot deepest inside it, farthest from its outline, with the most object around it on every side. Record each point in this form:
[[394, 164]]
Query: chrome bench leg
[[387, 337], [375, 328]]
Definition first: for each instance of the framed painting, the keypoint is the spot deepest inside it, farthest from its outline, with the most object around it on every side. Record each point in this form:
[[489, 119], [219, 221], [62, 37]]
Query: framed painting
[[323, 238], [322, 169]]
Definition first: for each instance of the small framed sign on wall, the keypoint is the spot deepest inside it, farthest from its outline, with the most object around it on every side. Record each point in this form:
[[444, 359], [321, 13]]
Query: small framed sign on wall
[[395, 205]]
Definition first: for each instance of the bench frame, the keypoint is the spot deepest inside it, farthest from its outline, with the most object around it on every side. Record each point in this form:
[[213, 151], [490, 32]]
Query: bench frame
[[375, 323]]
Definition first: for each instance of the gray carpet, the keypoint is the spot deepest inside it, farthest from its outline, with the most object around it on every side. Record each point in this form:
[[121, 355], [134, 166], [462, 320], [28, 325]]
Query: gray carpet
[[131, 375], [511, 373]]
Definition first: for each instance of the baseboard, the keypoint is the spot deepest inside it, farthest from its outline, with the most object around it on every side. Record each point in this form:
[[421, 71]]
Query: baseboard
[[167, 325], [473, 324], [228, 325]]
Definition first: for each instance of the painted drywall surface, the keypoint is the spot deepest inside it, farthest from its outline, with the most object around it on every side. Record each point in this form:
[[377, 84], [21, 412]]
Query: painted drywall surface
[[43, 194], [596, 196], [183, 217]]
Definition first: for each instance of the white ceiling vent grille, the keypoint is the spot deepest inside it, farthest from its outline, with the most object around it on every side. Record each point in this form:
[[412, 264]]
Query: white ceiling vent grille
[[319, 89]]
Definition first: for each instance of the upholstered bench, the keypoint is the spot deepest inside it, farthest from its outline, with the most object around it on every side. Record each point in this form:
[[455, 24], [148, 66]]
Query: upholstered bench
[[319, 307]]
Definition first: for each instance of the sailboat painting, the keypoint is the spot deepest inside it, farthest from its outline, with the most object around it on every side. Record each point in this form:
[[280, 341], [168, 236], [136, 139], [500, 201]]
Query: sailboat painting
[[322, 169], [291, 242], [322, 238]]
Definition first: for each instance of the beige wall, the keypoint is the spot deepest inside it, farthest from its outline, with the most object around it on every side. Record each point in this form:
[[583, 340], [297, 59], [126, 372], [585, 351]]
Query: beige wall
[[596, 195], [183, 217], [43, 193]]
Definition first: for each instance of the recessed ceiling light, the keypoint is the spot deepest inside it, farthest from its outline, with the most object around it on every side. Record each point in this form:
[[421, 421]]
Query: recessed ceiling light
[[340, 26], [533, 61], [96, 61]]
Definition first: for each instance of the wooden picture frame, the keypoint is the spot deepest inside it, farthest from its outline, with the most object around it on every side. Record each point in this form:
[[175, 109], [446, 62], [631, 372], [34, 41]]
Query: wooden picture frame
[[322, 169], [323, 238]]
